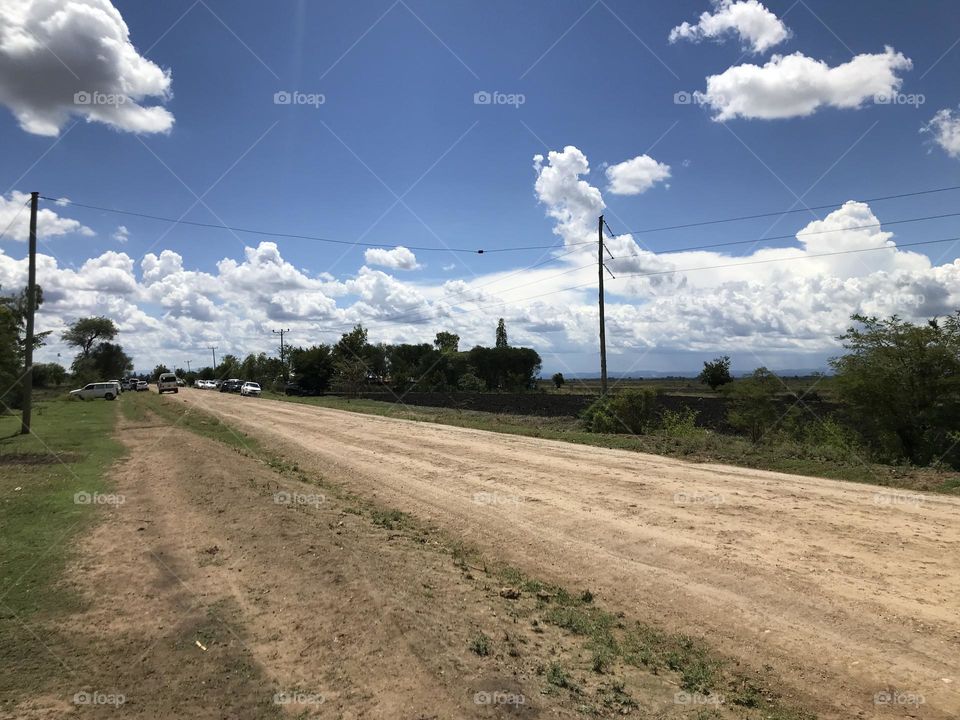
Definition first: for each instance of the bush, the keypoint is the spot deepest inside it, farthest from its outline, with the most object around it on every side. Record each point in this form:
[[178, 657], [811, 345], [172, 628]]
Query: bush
[[632, 411], [679, 423], [753, 403]]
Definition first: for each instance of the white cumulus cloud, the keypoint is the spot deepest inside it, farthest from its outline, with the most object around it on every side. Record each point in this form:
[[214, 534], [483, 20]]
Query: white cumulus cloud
[[758, 28], [121, 234], [15, 218], [60, 58], [945, 128], [398, 258], [796, 85], [636, 176]]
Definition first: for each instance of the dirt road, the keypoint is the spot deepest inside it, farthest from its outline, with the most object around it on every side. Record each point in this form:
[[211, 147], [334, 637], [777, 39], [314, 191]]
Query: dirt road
[[851, 592], [220, 588]]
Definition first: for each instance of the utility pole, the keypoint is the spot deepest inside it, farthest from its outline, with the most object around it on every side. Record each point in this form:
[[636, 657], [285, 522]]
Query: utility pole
[[214, 351], [31, 310], [280, 332], [188, 366], [603, 330]]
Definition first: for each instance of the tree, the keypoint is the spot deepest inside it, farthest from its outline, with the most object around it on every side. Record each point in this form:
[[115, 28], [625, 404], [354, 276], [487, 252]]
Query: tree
[[753, 403], [86, 332], [558, 380], [502, 334], [108, 361], [48, 374], [229, 367], [716, 372], [350, 358], [901, 385], [447, 342], [159, 370], [506, 368], [312, 368]]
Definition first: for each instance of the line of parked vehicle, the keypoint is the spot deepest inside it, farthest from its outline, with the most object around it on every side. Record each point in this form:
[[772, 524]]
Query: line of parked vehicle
[[109, 389], [234, 385]]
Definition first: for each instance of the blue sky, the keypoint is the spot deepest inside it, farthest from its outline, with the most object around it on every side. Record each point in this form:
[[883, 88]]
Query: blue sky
[[398, 119]]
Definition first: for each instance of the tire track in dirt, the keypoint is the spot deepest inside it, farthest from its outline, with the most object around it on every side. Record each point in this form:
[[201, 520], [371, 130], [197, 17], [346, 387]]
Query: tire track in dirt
[[845, 589]]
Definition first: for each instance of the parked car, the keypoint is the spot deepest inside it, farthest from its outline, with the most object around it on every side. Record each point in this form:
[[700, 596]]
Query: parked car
[[142, 386], [232, 385], [250, 389], [105, 390], [119, 386], [129, 383], [167, 382]]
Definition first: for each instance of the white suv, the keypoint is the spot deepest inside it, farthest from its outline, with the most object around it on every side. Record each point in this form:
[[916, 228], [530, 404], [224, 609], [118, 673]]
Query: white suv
[[167, 382], [250, 388], [105, 390]]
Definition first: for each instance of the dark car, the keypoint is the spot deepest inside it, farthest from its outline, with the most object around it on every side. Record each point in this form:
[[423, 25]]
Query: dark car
[[232, 385], [292, 388]]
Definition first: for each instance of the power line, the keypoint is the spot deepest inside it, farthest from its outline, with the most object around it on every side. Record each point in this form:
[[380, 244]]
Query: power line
[[786, 212], [297, 236], [795, 257], [798, 235]]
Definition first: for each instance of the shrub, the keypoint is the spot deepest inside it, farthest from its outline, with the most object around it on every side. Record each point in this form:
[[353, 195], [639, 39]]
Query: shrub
[[753, 403], [679, 423], [632, 411]]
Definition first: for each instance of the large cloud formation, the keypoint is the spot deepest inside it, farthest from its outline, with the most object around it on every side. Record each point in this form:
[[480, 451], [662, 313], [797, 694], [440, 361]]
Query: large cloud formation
[[797, 86], [789, 301], [74, 57], [758, 28]]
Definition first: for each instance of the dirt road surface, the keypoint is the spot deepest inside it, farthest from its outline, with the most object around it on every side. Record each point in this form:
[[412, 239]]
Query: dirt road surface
[[850, 592]]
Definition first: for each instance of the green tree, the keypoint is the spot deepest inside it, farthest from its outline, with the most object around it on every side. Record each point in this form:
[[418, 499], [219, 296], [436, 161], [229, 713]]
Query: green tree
[[502, 334], [558, 380], [753, 406], [901, 385], [48, 374], [229, 367], [312, 368], [716, 372], [447, 342], [108, 361], [84, 333], [159, 370]]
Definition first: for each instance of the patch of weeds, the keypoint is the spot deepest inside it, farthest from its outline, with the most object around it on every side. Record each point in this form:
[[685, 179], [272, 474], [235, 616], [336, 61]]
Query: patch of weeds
[[558, 677], [615, 697], [390, 519], [480, 644]]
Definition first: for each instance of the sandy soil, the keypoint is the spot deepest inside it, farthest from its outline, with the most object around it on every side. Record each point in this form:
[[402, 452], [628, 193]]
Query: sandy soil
[[206, 594], [846, 590]]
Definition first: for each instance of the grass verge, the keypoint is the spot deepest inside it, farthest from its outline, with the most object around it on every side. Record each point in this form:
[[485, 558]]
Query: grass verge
[[51, 485]]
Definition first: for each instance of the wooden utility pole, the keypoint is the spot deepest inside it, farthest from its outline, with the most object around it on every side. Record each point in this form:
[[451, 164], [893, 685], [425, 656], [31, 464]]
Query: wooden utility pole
[[280, 332], [31, 310], [214, 351], [603, 330]]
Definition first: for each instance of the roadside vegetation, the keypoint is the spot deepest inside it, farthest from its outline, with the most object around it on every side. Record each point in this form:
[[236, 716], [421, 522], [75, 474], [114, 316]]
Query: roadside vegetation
[[52, 487]]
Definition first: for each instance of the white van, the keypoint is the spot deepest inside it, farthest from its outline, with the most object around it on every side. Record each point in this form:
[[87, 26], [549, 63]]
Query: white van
[[167, 382], [105, 390]]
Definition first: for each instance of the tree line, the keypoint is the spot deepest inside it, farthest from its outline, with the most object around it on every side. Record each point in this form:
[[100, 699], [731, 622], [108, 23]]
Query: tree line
[[353, 363]]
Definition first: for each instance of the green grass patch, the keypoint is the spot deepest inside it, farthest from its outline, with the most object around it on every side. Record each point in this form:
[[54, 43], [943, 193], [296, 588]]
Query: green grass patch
[[51, 485]]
